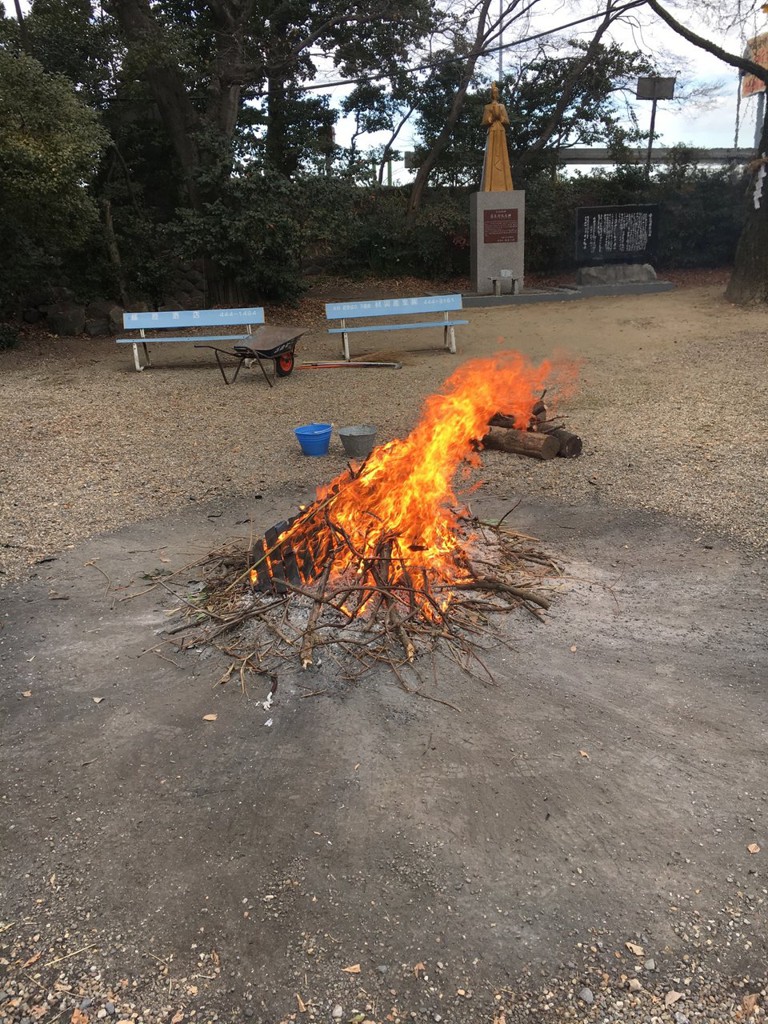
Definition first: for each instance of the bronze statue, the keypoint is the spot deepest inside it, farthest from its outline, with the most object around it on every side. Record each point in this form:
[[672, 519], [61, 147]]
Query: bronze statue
[[497, 176]]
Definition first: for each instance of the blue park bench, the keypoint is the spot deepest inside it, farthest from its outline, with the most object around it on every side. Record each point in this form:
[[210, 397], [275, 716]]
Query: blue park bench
[[341, 312], [275, 343]]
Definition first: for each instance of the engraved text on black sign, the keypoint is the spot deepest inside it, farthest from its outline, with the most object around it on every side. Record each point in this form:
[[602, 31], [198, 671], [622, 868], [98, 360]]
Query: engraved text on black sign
[[616, 233]]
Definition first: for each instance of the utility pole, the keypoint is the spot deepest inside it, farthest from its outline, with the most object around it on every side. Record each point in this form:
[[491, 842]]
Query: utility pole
[[501, 47]]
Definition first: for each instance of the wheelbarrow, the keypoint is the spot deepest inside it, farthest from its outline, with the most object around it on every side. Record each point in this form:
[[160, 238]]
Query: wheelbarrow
[[275, 343]]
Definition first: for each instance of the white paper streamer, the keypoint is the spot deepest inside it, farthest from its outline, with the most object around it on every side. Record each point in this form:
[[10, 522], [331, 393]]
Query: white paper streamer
[[759, 182]]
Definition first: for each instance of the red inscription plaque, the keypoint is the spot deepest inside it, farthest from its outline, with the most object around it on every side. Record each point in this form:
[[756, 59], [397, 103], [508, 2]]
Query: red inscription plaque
[[499, 226]]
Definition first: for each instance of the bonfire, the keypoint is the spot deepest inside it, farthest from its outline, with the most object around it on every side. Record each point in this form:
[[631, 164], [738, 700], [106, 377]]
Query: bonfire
[[387, 563]]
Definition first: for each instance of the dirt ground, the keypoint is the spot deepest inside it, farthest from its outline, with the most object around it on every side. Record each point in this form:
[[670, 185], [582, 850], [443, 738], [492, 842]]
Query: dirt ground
[[583, 839]]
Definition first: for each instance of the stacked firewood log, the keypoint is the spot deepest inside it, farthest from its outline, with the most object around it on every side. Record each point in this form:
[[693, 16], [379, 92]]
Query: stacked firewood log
[[541, 438]]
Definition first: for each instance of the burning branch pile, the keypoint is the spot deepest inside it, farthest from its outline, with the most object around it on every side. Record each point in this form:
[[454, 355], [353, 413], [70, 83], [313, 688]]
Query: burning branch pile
[[382, 566]]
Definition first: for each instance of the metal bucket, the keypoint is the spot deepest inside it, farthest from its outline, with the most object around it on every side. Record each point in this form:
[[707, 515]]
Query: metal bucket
[[358, 441]]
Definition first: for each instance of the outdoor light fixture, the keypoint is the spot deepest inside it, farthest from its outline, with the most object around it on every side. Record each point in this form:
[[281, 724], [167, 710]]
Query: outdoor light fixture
[[654, 88]]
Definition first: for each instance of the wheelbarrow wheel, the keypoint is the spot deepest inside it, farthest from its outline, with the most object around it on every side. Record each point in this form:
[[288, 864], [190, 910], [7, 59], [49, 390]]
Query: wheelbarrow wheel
[[284, 364]]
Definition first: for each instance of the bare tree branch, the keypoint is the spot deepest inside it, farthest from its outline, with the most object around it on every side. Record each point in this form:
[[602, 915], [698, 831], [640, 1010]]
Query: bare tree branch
[[742, 63], [571, 83], [442, 140], [391, 141]]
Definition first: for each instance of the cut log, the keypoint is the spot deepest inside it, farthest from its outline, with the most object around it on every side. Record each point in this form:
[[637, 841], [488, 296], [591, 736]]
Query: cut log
[[570, 444], [522, 442]]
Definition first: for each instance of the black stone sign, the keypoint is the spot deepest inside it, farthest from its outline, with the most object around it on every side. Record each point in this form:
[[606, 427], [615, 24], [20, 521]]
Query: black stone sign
[[616, 234]]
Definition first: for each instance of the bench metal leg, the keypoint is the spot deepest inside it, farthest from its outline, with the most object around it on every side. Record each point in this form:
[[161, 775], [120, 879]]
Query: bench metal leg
[[449, 339], [344, 341], [136, 360]]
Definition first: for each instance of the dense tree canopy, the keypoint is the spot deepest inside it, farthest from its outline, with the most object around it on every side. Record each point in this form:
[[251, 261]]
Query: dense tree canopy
[[50, 144], [175, 130]]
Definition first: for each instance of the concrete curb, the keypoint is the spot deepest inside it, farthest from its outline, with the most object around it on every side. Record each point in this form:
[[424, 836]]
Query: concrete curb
[[471, 301]]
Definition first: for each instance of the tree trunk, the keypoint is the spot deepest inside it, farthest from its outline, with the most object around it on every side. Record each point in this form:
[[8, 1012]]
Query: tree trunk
[[567, 93], [749, 281], [114, 251], [23, 34], [277, 152], [176, 110]]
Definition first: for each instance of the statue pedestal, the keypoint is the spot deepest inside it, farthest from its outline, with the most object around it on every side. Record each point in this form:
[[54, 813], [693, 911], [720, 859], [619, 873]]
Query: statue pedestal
[[497, 242]]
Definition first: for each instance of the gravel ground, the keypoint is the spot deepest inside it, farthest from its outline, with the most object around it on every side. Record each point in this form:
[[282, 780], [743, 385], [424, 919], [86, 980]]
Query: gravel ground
[[600, 992], [671, 401], [672, 390]]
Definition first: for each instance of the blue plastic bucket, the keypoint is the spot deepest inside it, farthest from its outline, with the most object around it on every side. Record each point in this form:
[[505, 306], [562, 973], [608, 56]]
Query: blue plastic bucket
[[314, 438]]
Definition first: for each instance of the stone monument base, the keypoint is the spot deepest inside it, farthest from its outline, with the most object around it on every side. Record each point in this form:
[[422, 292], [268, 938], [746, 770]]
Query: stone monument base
[[497, 242], [616, 273]]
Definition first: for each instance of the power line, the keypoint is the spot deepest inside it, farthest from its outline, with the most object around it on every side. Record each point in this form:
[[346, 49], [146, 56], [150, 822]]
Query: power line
[[483, 53]]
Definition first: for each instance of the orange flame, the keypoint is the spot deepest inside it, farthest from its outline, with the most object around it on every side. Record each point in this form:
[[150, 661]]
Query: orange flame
[[398, 508]]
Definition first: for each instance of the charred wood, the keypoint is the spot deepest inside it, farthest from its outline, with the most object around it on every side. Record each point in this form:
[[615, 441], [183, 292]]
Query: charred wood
[[570, 444]]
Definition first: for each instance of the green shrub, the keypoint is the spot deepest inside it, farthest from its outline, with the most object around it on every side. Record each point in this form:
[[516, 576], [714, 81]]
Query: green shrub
[[9, 336]]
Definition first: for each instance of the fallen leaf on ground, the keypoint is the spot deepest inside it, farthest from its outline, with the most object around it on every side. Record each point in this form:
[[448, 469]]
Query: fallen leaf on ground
[[210, 718], [354, 969], [302, 1004], [418, 967], [753, 848], [32, 960], [634, 948], [97, 700], [27, 693], [228, 674], [78, 1017], [749, 1003], [583, 753], [672, 997], [178, 1017]]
